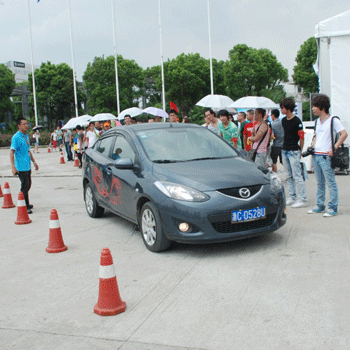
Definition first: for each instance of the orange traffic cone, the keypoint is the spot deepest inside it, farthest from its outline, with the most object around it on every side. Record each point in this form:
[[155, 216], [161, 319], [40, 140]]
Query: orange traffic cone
[[48, 149], [109, 302], [76, 161], [22, 213], [8, 203], [1, 194], [56, 244], [62, 159]]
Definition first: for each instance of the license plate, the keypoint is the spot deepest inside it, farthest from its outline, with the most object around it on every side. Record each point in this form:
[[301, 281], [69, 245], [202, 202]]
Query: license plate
[[248, 214]]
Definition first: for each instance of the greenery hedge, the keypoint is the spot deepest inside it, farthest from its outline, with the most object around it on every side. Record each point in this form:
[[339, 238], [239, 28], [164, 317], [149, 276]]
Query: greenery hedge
[[5, 139]]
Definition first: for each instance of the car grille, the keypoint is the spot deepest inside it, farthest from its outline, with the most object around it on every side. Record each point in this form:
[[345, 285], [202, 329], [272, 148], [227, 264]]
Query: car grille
[[234, 192], [229, 227]]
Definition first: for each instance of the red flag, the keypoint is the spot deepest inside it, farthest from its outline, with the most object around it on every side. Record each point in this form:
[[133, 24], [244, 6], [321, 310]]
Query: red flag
[[173, 106]]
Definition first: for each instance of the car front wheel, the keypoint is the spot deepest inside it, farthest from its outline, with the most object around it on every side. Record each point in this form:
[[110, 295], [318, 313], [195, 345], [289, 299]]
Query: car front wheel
[[92, 208], [151, 229]]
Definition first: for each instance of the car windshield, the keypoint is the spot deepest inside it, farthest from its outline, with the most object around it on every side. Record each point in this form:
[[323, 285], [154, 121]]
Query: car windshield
[[172, 145]]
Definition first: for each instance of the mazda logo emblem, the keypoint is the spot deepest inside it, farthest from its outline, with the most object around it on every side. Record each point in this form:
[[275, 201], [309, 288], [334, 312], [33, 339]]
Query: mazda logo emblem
[[244, 192]]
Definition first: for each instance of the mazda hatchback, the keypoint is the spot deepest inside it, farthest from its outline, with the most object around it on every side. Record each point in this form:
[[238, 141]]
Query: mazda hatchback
[[180, 182]]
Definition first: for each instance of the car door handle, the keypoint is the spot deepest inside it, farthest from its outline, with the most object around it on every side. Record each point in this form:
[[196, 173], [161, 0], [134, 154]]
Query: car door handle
[[109, 170]]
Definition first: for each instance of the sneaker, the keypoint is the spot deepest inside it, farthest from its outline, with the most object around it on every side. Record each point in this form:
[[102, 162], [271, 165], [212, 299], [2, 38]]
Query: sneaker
[[299, 204], [29, 211], [316, 210], [329, 213], [30, 206], [290, 201]]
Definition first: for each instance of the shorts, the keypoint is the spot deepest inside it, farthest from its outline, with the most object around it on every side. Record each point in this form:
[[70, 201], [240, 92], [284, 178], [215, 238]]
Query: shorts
[[275, 153], [59, 142], [36, 144], [54, 143]]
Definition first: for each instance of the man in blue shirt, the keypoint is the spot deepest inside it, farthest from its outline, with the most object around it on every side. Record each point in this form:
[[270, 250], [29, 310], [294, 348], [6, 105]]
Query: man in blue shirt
[[20, 156]]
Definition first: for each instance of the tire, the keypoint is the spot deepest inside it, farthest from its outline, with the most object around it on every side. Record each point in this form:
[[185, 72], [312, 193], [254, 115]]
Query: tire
[[151, 229], [91, 206]]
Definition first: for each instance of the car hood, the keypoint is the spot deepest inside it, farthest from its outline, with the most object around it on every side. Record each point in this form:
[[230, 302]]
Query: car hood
[[210, 175]]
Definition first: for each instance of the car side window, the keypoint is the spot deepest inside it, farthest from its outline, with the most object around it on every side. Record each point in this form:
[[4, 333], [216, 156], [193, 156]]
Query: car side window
[[104, 146], [96, 145], [122, 149]]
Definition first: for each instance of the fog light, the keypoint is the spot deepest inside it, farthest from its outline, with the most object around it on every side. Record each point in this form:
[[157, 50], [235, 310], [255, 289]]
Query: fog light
[[184, 227]]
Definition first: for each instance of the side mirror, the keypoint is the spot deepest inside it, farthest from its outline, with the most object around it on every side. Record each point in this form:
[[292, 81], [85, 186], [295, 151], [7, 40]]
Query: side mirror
[[123, 163]]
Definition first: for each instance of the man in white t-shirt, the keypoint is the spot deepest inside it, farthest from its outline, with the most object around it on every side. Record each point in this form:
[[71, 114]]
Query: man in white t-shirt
[[325, 174], [91, 136]]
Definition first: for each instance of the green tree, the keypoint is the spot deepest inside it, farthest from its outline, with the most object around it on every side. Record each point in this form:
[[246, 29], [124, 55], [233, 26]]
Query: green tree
[[276, 93], [99, 82], [304, 74], [7, 84], [187, 80], [250, 72], [153, 86], [55, 92]]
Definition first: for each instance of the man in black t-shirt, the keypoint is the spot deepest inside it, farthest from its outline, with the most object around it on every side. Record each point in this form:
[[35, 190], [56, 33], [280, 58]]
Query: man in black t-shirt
[[292, 145]]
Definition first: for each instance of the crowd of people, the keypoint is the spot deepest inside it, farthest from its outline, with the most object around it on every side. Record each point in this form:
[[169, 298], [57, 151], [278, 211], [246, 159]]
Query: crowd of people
[[255, 132], [283, 139]]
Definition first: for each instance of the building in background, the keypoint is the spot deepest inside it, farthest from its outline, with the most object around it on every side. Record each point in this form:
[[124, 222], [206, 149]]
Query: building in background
[[20, 69]]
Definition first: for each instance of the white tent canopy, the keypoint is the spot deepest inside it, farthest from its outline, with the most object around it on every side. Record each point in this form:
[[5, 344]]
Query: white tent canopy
[[333, 41], [334, 26]]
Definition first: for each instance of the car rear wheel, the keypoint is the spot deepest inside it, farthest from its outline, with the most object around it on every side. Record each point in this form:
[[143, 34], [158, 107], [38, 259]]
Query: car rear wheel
[[92, 208], [151, 229]]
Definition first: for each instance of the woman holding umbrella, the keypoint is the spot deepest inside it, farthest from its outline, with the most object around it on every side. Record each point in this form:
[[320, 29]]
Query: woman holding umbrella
[[36, 135]]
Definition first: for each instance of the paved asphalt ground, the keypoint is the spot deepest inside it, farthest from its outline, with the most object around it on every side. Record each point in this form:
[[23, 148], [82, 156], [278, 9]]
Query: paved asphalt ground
[[286, 290]]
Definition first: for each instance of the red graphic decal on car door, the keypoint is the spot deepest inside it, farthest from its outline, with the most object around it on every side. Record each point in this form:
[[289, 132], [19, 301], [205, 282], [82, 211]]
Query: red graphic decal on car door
[[116, 198], [97, 179]]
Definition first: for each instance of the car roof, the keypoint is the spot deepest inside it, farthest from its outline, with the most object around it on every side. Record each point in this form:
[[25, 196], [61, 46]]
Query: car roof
[[133, 129]]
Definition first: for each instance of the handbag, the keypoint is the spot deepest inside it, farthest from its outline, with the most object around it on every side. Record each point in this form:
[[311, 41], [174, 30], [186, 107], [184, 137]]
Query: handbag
[[340, 158], [252, 154]]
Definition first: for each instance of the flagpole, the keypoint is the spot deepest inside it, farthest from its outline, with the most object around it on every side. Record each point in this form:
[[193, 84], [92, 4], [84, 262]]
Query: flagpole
[[73, 63], [115, 59], [210, 57], [32, 61], [161, 56]]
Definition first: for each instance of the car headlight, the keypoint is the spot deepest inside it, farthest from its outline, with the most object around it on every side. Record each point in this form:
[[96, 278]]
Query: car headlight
[[181, 192], [275, 182]]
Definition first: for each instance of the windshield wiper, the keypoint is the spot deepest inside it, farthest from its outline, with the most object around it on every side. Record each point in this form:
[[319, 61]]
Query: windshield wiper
[[205, 158], [166, 161]]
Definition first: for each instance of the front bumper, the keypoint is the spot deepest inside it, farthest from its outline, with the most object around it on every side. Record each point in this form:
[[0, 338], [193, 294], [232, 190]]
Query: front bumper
[[211, 221]]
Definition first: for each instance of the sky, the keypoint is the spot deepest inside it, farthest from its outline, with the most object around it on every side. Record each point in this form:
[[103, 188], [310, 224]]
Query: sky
[[278, 25]]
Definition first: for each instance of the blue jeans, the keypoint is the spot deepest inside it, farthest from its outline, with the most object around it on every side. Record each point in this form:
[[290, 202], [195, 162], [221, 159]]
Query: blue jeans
[[325, 175], [291, 163], [68, 151]]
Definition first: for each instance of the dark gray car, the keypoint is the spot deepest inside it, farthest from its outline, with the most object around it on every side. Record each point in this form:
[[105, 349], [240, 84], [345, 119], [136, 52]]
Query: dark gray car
[[180, 182]]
